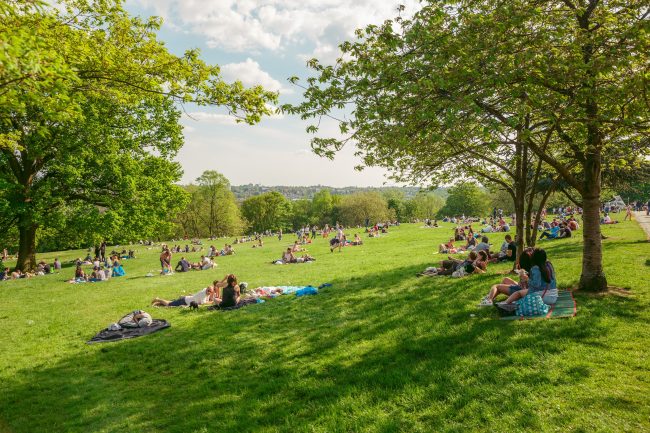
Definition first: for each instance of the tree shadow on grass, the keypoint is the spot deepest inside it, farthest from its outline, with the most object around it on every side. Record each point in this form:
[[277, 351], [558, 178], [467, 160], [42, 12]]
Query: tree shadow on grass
[[383, 352]]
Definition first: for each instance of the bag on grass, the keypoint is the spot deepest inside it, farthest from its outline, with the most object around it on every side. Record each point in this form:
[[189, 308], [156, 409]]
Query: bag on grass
[[532, 305], [135, 319]]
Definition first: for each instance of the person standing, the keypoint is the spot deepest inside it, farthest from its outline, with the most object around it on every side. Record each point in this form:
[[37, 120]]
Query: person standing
[[628, 212], [165, 262], [280, 235], [102, 251]]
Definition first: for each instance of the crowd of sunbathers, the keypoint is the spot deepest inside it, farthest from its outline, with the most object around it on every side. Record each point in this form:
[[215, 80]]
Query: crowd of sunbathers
[[42, 268], [102, 270]]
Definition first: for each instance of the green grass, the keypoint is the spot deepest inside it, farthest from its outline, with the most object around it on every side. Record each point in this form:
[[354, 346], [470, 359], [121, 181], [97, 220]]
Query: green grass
[[379, 351]]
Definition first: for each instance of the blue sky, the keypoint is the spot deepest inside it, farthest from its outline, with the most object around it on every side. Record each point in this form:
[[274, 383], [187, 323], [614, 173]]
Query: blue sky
[[264, 42]]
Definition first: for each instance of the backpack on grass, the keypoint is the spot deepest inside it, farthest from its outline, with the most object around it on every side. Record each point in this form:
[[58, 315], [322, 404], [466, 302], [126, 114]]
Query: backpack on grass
[[532, 305]]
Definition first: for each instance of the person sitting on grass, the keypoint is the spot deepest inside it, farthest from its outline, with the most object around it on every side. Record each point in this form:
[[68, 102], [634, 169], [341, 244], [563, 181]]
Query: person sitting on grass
[[118, 270], [542, 280], [288, 257], [508, 251], [79, 273], [553, 233], [565, 232], [228, 292], [201, 297], [207, 263], [508, 286], [97, 275], [5, 275], [184, 265], [357, 240], [483, 245], [608, 220], [447, 248]]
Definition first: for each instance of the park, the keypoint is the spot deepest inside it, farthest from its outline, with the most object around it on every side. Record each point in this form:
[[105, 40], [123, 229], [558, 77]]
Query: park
[[498, 283]]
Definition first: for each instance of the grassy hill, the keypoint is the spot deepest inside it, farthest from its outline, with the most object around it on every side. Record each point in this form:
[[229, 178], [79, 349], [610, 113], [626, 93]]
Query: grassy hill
[[379, 351]]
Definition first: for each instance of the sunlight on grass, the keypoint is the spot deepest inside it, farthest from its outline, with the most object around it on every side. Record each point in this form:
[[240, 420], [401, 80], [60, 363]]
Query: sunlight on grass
[[379, 351]]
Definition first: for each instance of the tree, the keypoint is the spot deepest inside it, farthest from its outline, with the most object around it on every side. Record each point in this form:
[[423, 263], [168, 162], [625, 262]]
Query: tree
[[466, 199], [563, 80], [427, 205], [219, 212], [268, 211], [356, 208], [92, 116], [321, 207], [301, 213], [395, 201]]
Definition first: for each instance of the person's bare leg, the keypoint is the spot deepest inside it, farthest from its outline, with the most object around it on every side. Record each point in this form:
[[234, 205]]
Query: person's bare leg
[[498, 288], [157, 302], [516, 296], [509, 281]]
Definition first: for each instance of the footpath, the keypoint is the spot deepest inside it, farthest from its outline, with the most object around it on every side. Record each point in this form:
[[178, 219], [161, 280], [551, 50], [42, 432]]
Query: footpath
[[644, 222]]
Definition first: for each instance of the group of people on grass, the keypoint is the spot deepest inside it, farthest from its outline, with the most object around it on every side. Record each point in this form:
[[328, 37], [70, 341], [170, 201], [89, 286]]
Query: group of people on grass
[[223, 293], [536, 277], [558, 228], [101, 270]]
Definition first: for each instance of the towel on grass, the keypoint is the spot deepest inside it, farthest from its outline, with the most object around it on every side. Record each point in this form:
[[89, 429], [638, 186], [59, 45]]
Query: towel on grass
[[107, 335], [564, 307]]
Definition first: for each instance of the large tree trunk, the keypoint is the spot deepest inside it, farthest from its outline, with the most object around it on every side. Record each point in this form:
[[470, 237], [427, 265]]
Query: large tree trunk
[[593, 276], [27, 247]]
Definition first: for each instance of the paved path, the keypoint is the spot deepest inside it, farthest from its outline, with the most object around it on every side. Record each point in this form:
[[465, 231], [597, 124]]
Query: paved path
[[644, 222]]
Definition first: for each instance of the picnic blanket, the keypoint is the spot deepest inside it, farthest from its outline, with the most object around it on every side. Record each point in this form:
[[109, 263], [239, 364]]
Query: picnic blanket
[[564, 307], [107, 335]]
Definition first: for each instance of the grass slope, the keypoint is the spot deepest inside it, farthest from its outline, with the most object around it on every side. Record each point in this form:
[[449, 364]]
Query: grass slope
[[379, 351]]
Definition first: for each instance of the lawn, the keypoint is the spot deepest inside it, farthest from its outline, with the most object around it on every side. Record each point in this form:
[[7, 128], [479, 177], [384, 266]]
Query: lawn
[[379, 351]]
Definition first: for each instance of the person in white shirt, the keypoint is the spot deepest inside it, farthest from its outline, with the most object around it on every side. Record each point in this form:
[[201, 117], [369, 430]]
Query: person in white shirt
[[201, 297], [206, 263]]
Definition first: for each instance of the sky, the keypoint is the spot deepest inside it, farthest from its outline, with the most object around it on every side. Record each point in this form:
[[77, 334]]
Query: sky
[[265, 42]]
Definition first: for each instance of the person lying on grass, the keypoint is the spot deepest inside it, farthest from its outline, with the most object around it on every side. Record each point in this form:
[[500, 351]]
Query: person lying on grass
[[542, 281], [476, 263], [209, 294]]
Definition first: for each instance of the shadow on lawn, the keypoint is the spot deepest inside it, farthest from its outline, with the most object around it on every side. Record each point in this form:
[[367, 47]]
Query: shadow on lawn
[[383, 352]]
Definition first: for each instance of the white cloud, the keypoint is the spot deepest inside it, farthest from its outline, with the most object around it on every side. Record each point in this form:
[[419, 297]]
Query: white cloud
[[250, 74], [221, 119], [253, 25]]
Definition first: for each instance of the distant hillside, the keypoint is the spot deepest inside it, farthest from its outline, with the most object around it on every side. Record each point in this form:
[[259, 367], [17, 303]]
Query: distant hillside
[[300, 192]]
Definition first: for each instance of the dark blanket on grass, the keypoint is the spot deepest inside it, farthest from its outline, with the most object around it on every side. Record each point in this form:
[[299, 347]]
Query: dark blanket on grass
[[105, 335], [564, 307], [240, 304]]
